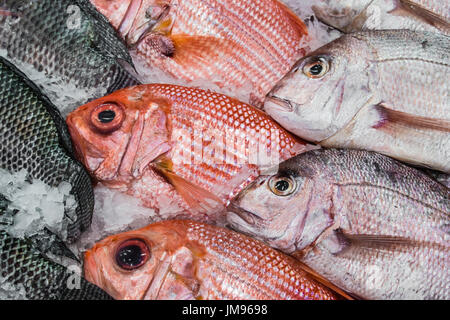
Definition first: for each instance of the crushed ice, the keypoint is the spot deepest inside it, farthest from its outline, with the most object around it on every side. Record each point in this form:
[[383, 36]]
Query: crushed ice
[[34, 205]]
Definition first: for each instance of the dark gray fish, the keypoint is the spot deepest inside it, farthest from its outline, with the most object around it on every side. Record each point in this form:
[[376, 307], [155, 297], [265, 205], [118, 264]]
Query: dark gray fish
[[65, 47], [34, 137], [374, 227], [23, 266]]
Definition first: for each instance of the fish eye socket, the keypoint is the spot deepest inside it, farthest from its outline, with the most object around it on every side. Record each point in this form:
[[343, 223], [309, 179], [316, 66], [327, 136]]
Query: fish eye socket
[[316, 68], [132, 254], [282, 186], [107, 117]]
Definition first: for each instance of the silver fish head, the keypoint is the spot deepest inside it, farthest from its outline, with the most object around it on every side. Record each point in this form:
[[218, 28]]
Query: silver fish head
[[283, 210], [324, 90]]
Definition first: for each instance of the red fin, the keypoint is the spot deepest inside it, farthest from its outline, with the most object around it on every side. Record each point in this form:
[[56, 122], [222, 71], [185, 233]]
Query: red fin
[[391, 117], [197, 198], [408, 8], [296, 21], [198, 48]]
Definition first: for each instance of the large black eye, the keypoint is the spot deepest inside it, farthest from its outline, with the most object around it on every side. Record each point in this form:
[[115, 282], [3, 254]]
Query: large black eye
[[132, 254], [282, 186], [106, 116], [317, 67]]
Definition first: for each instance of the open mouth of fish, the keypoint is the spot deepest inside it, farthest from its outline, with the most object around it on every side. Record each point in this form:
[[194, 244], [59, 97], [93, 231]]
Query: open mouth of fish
[[279, 104], [249, 217]]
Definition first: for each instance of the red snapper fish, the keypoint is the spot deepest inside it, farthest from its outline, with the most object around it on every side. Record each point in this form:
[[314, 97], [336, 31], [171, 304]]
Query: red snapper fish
[[185, 260], [183, 149], [237, 43]]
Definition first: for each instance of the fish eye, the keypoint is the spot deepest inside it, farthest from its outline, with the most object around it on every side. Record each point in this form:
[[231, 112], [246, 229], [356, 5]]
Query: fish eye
[[316, 68], [107, 117], [282, 186], [132, 254]]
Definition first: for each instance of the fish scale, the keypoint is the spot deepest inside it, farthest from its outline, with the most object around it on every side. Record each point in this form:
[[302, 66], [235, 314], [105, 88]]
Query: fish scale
[[238, 274], [394, 101], [221, 263], [22, 265], [36, 141], [383, 226], [229, 112], [231, 43], [82, 61], [212, 141]]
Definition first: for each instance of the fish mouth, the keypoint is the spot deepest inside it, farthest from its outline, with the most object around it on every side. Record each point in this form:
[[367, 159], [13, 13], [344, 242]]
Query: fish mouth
[[248, 216], [278, 104]]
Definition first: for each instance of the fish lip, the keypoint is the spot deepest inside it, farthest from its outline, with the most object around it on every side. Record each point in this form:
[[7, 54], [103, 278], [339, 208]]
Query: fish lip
[[279, 104], [249, 217]]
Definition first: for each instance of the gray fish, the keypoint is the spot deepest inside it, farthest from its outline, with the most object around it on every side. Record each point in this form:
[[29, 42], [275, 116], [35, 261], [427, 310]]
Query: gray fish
[[384, 91], [352, 16], [374, 227], [24, 266], [34, 137], [65, 47]]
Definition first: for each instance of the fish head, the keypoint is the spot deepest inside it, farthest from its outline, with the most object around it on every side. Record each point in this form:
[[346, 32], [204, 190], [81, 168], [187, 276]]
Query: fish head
[[136, 265], [273, 208], [324, 90], [345, 15], [116, 137], [135, 19]]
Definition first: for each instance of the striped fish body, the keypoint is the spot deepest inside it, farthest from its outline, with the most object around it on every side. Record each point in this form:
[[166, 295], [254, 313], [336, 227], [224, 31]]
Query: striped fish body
[[186, 260], [247, 45]]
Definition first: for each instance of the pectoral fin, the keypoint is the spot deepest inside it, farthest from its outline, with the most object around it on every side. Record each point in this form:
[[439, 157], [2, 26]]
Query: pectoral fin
[[410, 9], [196, 197], [390, 119], [202, 49]]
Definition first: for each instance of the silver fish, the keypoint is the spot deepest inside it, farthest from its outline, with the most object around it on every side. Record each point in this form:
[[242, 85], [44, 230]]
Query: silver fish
[[374, 227], [352, 16], [384, 91]]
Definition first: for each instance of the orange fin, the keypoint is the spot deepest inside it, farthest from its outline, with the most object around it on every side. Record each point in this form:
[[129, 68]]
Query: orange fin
[[201, 49], [295, 20], [408, 8], [196, 197], [389, 117], [319, 278]]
